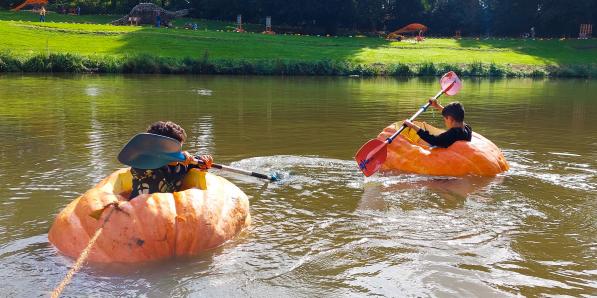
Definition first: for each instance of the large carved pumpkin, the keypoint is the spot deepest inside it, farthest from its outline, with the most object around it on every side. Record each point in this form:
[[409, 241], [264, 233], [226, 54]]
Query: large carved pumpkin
[[210, 211], [408, 153]]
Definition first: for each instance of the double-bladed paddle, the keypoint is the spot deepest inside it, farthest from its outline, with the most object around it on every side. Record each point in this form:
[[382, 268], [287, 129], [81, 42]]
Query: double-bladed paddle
[[152, 151], [373, 154]]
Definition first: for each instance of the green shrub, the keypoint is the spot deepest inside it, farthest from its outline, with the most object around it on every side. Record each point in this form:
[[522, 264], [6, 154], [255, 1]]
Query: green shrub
[[496, 70], [399, 70], [537, 73], [141, 64], [443, 68], [36, 63], [476, 69], [9, 63], [427, 69], [105, 64], [64, 62]]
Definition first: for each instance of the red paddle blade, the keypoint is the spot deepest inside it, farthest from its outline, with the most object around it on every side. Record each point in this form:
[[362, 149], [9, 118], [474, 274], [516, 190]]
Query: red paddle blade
[[371, 156], [447, 80]]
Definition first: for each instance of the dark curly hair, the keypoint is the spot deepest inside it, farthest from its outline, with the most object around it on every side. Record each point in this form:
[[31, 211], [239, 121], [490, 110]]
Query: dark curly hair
[[454, 109], [168, 129]]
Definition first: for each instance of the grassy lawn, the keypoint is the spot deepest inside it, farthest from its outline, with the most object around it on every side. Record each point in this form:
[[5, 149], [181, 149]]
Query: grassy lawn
[[90, 35], [56, 17], [106, 19]]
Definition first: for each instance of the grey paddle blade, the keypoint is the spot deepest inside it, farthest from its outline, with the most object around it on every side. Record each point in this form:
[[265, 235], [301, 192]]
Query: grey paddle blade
[[150, 151]]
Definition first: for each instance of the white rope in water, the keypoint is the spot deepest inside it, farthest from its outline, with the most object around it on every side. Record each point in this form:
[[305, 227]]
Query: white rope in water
[[81, 260]]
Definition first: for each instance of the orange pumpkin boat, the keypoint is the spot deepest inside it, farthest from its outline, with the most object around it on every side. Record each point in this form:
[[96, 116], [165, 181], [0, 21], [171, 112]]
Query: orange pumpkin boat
[[409, 153], [209, 211]]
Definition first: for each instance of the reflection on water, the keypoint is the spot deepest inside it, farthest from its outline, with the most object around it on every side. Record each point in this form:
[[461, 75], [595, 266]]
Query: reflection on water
[[446, 192], [323, 228]]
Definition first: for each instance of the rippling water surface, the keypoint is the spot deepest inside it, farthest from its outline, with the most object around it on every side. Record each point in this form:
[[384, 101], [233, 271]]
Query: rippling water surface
[[324, 229]]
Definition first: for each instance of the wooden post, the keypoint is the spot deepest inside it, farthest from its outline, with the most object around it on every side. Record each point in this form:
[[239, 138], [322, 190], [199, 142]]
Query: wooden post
[[586, 30], [239, 23], [268, 24]]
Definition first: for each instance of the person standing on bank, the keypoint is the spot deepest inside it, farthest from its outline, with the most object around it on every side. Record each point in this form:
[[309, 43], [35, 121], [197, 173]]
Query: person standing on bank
[[42, 14]]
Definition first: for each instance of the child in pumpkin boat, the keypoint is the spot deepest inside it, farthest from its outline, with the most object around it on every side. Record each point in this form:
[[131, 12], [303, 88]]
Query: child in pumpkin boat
[[453, 114], [169, 177]]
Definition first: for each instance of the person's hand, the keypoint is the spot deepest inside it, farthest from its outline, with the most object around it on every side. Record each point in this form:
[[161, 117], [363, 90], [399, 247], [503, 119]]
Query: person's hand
[[190, 159], [409, 124], [205, 162], [433, 102]]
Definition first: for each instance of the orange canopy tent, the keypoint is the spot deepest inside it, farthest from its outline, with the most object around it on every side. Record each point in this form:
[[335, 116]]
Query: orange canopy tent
[[410, 28], [416, 28], [30, 2]]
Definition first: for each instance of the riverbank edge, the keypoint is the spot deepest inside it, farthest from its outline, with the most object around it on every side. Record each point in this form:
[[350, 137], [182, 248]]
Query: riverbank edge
[[148, 64]]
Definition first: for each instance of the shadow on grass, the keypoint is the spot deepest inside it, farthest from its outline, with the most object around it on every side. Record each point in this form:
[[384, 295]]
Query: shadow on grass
[[56, 17], [552, 51], [245, 53], [72, 48]]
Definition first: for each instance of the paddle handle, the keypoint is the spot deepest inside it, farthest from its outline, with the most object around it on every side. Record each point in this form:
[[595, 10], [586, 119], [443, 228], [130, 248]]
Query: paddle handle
[[273, 177], [244, 172]]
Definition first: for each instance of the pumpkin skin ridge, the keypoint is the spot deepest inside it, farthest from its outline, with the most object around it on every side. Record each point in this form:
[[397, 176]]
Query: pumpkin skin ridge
[[479, 157], [216, 213], [137, 245], [177, 196], [199, 220], [149, 241], [82, 216], [147, 207], [186, 217], [459, 160], [482, 167], [69, 218], [500, 161], [220, 210], [463, 159], [481, 154]]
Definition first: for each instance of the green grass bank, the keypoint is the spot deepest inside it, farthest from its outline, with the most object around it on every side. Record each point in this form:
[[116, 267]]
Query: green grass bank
[[87, 44]]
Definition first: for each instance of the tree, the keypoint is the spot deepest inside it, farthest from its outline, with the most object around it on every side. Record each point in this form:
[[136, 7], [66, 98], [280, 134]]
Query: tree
[[447, 16], [513, 17], [369, 14], [562, 18], [404, 12]]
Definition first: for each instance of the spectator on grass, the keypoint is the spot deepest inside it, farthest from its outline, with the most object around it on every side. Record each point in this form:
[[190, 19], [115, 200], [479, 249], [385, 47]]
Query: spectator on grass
[[78, 10], [42, 14]]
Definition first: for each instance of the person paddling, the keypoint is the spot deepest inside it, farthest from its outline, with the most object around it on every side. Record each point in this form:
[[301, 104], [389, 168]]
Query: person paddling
[[169, 177], [453, 114]]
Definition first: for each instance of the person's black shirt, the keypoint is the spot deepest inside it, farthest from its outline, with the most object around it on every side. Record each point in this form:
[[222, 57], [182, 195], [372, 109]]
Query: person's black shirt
[[447, 138], [165, 179]]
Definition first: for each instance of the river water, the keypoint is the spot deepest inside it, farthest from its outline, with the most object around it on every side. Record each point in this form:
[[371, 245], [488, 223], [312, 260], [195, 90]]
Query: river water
[[324, 230]]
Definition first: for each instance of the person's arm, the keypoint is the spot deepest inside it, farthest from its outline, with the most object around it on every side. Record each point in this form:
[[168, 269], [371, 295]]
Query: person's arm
[[411, 125], [435, 104], [443, 140]]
